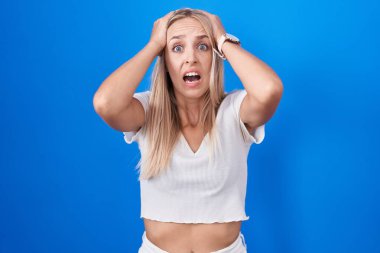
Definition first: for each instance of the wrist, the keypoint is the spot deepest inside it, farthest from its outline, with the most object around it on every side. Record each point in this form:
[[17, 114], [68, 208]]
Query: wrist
[[218, 35], [226, 37], [155, 47]]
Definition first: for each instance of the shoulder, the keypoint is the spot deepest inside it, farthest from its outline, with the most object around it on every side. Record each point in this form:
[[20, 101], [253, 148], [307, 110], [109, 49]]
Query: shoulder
[[230, 105], [144, 94], [143, 97], [234, 94], [233, 98]]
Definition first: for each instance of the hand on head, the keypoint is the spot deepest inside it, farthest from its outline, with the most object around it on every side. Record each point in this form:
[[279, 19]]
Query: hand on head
[[216, 24], [158, 35]]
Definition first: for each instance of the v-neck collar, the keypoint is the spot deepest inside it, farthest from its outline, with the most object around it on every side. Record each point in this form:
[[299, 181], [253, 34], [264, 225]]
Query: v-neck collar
[[188, 146], [204, 138]]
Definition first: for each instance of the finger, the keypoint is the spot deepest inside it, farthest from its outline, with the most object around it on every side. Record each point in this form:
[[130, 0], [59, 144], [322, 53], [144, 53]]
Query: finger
[[205, 12], [167, 16]]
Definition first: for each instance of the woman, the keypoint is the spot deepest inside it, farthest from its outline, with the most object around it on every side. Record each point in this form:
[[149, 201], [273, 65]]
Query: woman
[[193, 137]]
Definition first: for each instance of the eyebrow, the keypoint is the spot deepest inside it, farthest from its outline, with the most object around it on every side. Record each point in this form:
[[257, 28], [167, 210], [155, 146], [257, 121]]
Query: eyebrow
[[181, 36]]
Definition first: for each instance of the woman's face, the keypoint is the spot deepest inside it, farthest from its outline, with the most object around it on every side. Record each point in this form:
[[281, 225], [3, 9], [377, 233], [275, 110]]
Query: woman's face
[[188, 50]]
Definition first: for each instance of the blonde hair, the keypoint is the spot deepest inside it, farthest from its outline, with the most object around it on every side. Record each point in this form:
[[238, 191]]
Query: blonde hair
[[162, 124]]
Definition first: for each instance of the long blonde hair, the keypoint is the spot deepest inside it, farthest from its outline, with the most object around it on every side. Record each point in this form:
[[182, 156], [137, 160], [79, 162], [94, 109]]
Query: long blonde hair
[[162, 125]]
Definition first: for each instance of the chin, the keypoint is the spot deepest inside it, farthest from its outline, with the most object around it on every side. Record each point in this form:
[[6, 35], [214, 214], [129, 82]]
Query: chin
[[192, 92]]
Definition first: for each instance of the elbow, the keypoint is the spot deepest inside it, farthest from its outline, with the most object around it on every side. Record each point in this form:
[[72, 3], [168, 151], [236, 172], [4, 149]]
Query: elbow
[[105, 107], [271, 94], [99, 104], [275, 90]]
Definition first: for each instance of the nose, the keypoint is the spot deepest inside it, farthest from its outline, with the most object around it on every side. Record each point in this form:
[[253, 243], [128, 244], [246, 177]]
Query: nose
[[191, 56]]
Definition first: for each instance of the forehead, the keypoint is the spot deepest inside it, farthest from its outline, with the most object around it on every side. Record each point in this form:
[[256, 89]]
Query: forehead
[[185, 26]]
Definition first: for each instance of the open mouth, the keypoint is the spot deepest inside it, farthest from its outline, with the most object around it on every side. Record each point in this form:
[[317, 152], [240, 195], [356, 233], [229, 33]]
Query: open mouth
[[191, 77]]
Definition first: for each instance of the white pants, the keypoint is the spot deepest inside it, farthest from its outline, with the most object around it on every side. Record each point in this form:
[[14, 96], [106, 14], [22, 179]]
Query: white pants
[[238, 246]]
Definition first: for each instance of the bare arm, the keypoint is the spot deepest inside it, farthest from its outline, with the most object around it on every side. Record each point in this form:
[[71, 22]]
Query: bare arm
[[114, 101], [264, 88], [116, 91]]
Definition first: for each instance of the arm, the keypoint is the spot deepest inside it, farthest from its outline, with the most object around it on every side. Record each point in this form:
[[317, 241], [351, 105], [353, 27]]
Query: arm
[[259, 80], [264, 88], [114, 101], [116, 91]]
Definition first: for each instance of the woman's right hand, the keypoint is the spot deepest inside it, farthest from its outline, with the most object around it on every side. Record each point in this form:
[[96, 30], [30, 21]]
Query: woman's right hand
[[158, 36]]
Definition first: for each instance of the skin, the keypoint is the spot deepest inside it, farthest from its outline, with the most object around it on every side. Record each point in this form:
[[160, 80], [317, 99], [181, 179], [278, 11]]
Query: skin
[[264, 90], [181, 55], [187, 53], [114, 102]]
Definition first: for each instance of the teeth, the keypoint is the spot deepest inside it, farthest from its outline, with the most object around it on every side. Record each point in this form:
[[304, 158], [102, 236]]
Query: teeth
[[192, 74]]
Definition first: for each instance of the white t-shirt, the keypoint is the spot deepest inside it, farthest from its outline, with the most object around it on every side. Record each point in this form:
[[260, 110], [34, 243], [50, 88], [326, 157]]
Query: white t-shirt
[[192, 190]]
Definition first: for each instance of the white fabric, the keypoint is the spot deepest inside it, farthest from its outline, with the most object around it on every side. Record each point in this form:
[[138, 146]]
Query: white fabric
[[192, 190], [143, 97], [238, 246]]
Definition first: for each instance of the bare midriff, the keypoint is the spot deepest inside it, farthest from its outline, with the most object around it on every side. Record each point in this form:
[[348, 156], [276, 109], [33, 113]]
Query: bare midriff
[[191, 237]]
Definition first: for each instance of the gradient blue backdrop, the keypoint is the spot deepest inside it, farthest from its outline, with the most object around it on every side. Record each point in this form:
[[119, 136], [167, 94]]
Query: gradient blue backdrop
[[67, 180]]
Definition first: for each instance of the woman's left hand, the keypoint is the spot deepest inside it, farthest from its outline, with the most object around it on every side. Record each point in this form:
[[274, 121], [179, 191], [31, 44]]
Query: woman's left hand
[[216, 25]]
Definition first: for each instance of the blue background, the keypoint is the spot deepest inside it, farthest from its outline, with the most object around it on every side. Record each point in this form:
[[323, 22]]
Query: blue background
[[67, 180]]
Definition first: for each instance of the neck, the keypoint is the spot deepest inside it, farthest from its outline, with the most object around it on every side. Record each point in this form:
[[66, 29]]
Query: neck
[[189, 111]]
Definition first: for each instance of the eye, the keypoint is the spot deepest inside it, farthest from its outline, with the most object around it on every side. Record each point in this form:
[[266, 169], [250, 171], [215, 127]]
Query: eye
[[176, 47], [203, 46]]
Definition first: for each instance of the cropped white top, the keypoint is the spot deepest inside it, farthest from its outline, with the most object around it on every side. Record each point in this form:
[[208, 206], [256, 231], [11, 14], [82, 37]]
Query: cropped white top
[[192, 190]]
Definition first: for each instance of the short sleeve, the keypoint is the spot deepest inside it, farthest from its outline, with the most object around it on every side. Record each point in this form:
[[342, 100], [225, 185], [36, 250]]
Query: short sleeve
[[257, 135], [143, 97]]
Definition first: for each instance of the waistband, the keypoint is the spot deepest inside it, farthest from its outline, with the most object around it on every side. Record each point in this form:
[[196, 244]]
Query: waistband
[[238, 246]]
